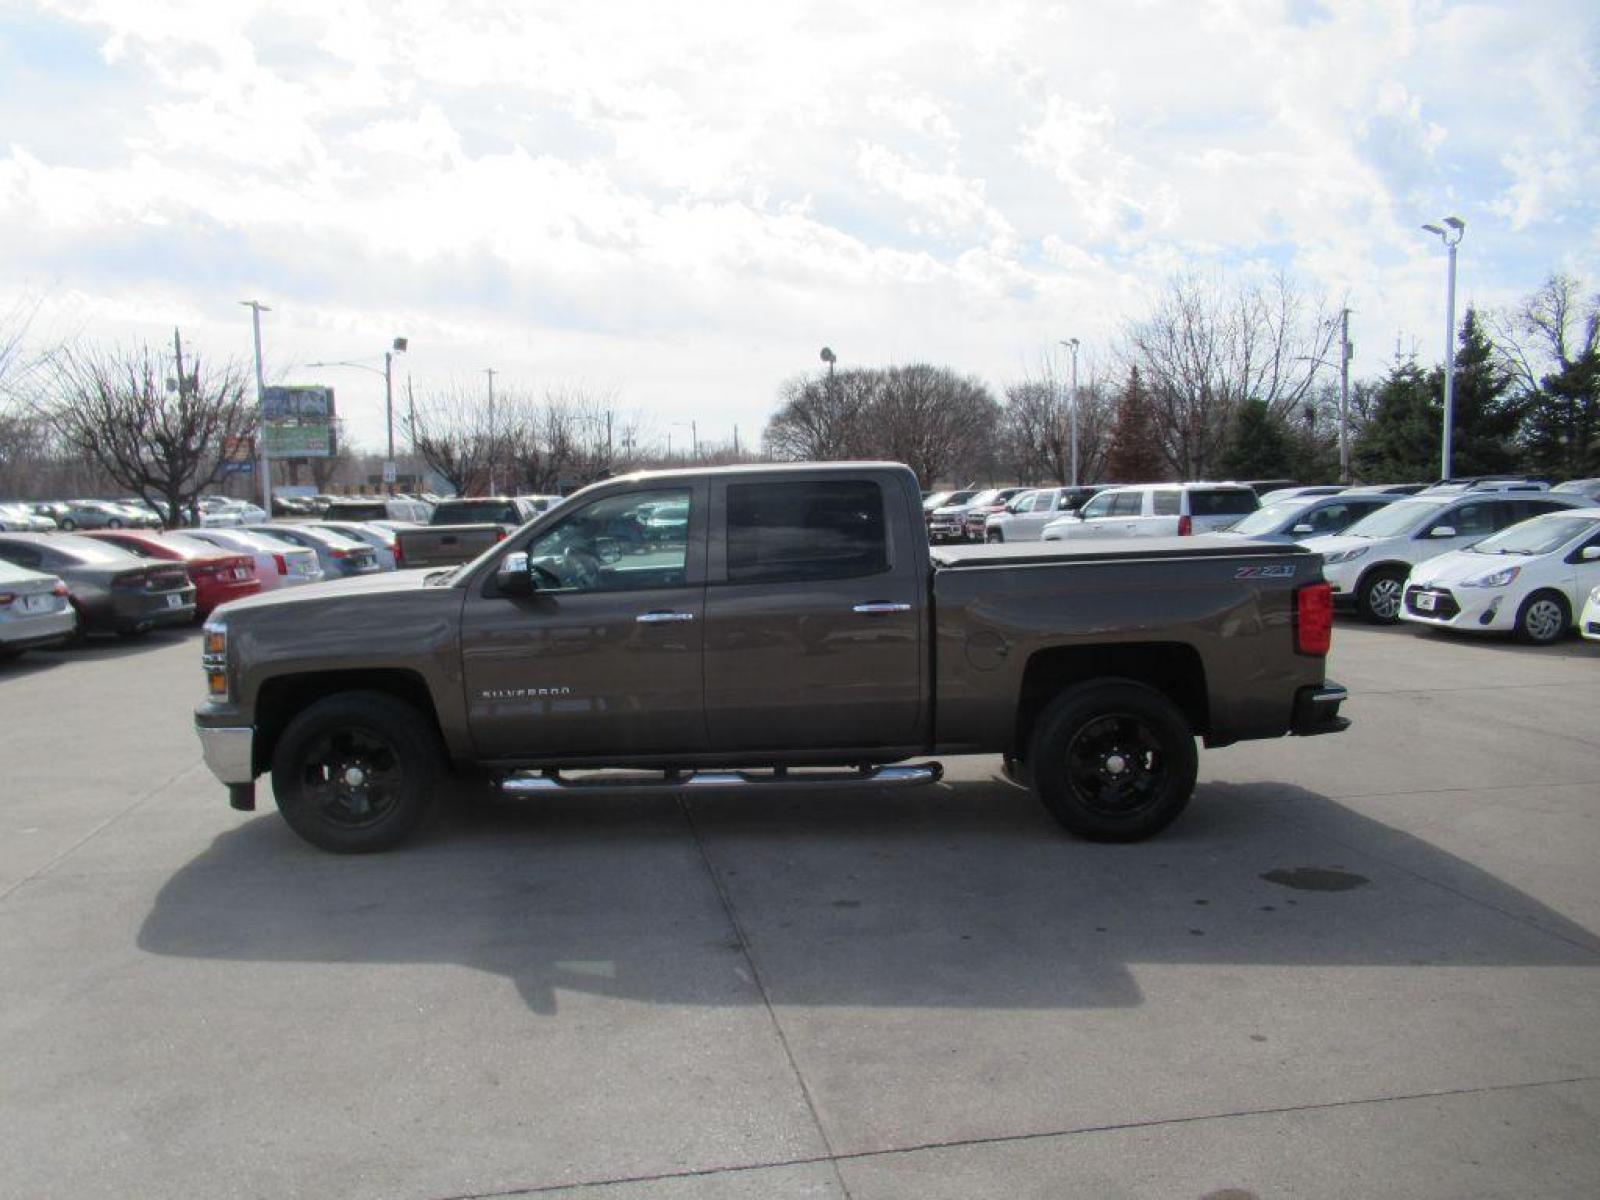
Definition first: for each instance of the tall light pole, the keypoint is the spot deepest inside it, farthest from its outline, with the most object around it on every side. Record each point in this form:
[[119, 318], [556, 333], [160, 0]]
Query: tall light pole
[[1344, 395], [398, 346], [1450, 234], [1072, 345], [493, 448], [263, 464]]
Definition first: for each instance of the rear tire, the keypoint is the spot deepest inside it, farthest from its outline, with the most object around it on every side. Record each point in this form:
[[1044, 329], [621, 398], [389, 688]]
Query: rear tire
[[1543, 619], [1113, 761], [357, 772], [1380, 594]]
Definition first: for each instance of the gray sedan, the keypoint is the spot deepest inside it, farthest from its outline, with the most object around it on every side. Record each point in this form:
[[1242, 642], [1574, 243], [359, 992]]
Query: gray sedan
[[340, 557], [113, 591], [34, 611]]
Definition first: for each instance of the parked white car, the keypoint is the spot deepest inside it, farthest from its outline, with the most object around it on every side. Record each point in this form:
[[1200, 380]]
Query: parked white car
[[277, 565], [1156, 510], [1368, 563], [1589, 620], [1024, 518], [1529, 580]]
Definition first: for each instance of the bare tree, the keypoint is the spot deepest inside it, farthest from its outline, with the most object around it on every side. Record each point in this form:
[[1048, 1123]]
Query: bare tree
[[1207, 347], [822, 418], [457, 434], [155, 424]]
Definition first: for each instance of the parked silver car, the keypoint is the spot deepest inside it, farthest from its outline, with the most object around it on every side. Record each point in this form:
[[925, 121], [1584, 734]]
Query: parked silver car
[[34, 610]]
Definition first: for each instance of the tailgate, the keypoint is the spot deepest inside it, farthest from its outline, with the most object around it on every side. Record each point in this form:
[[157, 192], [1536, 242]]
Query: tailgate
[[446, 545]]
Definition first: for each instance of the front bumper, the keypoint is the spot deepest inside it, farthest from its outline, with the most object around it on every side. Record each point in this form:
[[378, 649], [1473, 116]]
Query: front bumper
[[229, 752], [1316, 710], [1492, 609]]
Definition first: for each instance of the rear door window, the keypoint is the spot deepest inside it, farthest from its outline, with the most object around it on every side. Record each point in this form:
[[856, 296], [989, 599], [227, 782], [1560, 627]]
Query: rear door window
[[1222, 502], [1127, 504], [811, 530], [1168, 504]]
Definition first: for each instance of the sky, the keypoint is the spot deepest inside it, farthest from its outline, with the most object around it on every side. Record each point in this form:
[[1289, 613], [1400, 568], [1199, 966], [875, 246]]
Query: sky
[[680, 205]]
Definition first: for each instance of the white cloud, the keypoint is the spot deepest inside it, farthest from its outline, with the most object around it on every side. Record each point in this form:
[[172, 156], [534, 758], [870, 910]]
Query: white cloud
[[685, 203]]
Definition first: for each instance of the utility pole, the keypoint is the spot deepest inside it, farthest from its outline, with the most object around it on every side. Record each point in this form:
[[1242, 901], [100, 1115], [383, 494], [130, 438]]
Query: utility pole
[[263, 463], [1344, 396], [694, 440], [493, 447], [1072, 345]]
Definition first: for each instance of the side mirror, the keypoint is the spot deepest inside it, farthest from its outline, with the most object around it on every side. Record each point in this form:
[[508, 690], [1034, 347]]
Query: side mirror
[[513, 578], [1442, 531], [1302, 528], [1589, 554]]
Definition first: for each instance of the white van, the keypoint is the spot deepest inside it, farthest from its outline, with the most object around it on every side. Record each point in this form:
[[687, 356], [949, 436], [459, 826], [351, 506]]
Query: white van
[[1156, 510]]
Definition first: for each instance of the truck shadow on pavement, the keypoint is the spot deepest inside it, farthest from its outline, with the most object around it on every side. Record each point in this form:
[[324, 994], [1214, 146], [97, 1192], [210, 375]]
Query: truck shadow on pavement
[[964, 895]]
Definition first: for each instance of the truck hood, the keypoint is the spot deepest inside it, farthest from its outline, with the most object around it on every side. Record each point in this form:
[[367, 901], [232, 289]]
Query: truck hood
[[332, 590]]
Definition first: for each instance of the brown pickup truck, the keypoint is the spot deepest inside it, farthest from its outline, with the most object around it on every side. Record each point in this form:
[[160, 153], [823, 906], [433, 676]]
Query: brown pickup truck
[[765, 627], [459, 530]]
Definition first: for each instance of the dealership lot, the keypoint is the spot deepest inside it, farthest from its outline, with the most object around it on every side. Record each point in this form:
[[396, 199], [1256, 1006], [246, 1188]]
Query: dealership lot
[[1364, 964]]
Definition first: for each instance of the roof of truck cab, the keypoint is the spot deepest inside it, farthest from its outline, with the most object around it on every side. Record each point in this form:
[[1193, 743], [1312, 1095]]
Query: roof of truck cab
[[797, 468], [1010, 554]]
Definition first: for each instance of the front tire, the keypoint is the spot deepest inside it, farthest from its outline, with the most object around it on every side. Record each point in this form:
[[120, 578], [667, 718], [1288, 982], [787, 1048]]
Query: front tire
[[994, 536], [1543, 619], [357, 772], [1381, 593], [1113, 761]]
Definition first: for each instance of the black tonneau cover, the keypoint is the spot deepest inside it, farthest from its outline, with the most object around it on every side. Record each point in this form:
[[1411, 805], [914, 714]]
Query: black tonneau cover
[[1011, 554]]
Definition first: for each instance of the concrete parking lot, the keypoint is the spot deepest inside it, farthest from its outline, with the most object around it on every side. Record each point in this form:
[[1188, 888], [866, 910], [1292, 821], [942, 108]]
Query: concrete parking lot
[[1360, 965]]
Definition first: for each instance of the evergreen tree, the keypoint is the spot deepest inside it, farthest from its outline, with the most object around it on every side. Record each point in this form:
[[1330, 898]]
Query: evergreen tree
[[1400, 441], [1484, 426], [1561, 423], [1133, 456], [1259, 444]]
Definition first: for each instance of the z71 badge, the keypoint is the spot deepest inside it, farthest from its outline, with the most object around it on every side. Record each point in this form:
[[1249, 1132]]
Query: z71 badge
[[1270, 571]]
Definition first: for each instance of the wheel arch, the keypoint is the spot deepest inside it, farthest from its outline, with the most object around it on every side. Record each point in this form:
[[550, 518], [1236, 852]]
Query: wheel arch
[[1174, 669], [281, 697]]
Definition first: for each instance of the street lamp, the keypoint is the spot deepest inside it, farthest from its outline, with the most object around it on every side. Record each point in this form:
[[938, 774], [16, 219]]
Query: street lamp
[[1072, 345], [398, 346], [1450, 234]]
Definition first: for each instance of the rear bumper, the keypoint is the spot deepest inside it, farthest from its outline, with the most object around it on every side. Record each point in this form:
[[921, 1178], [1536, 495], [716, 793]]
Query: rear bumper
[[1316, 710]]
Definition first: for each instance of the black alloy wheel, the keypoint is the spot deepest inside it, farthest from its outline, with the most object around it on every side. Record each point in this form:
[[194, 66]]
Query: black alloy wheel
[[356, 772], [1113, 761]]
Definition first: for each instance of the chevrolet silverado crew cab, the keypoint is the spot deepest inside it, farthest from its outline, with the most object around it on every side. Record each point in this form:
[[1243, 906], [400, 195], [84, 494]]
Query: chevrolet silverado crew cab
[[789, 627]]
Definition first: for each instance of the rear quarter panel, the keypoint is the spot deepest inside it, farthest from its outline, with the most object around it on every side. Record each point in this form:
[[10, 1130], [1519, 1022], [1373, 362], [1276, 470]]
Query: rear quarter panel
[[1237, 614]]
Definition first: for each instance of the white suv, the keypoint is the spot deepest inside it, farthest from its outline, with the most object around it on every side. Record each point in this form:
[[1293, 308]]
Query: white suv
[[1368, 563], [1156, 510]]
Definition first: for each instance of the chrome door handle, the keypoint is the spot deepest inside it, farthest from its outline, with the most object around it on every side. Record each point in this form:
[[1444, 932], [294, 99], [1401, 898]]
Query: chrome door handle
[[661, 618], [876, 609]]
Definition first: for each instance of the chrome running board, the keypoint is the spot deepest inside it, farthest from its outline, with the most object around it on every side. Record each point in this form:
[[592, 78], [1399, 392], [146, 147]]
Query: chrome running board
[[778, 779]]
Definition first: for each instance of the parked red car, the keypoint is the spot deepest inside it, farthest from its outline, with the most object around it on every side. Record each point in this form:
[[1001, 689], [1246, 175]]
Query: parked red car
[[217, 575]]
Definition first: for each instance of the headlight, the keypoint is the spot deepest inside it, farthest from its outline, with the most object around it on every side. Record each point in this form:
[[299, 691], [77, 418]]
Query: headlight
[[1344, 556], [1495, 579]]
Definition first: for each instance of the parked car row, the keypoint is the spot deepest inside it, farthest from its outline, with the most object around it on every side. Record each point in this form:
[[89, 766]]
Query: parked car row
[[64, 585]]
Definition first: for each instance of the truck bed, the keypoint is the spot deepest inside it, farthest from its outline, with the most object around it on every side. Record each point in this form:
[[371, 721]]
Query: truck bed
[[1014, 554]]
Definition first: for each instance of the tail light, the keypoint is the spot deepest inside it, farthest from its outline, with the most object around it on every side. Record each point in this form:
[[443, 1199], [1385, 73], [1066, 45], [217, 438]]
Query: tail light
[[1313, 619], [6, 598], [399, 556], [130, 582], [283, 564], [499, 535], [60, 589], [338, 553], [1185, 526]]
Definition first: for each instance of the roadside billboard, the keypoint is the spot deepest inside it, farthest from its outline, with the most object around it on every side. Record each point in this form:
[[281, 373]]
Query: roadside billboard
[[298, 422]]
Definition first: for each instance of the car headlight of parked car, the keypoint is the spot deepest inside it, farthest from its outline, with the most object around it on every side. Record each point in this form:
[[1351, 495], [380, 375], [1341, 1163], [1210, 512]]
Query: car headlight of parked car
[[1344, 556], [1494, 579]]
